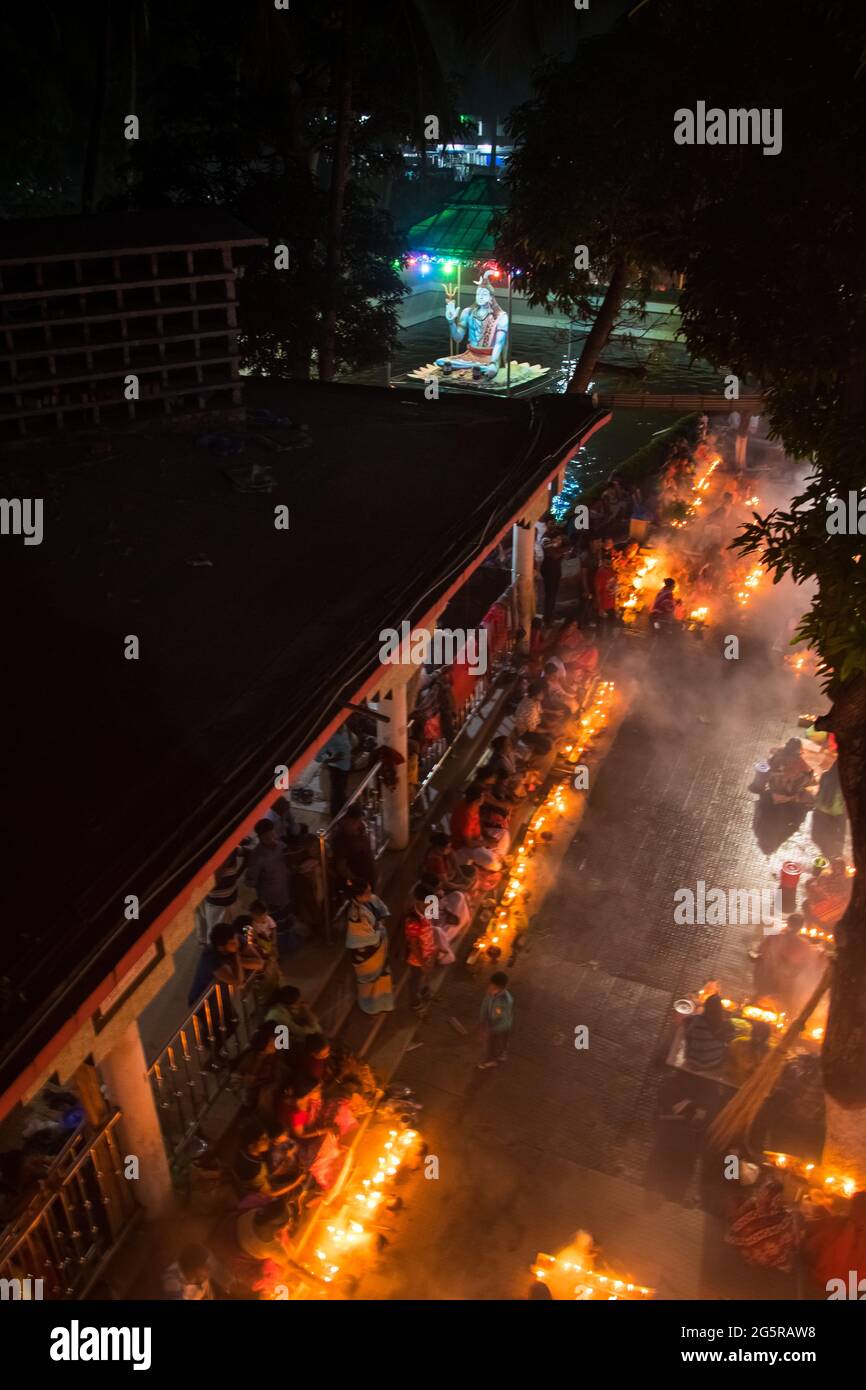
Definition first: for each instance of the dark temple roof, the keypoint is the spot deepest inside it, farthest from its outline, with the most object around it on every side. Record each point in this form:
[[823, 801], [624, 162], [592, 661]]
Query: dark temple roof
[[127, 776]]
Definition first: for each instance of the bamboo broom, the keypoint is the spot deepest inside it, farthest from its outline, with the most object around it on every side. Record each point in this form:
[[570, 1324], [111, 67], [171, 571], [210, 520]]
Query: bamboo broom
[[740, 1113]]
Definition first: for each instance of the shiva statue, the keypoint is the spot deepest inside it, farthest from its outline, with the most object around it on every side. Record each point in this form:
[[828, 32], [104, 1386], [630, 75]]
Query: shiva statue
[[487, 326]]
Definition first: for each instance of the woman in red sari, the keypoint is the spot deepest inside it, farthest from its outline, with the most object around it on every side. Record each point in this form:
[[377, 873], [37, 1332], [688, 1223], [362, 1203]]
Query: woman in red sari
[[837, 1244]]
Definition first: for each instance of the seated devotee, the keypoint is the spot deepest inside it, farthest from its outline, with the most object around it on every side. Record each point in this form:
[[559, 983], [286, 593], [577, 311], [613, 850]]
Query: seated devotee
[[789, 775], [787, 967], [707, 1035], [441, 861], [488, 867], [352, 1071], [834, 1245], [286, 1173], [746, 1052], [555, 667], [265, 1069], [529, 722], [556, 697], [195, 1277], [311, 1064], [250, 1167], [495, 788], [764, 1229], [578, 654], [288, 1008], [445, 924], [506, 763], [299, 1111], [252, 1246], [466, 819], [827, 895]]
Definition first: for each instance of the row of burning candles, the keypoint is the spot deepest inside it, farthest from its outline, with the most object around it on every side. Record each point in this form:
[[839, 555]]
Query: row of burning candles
[[509, 919], [816, 1176], [701, 485], [748, 584], [756, 1012], [585, 1283], [350, 1236], [351, 1229]]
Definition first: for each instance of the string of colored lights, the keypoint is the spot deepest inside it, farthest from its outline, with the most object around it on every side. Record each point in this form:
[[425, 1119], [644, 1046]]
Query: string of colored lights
[[424, 264]]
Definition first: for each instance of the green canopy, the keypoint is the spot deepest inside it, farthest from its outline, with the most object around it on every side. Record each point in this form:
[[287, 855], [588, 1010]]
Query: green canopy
[[462, 228]]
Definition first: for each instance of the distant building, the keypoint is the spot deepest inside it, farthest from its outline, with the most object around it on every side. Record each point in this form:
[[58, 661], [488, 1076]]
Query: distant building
[[87, 303]]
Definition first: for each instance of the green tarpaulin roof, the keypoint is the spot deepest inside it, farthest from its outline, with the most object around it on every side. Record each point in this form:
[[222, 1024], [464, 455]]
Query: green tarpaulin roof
[[462, 228]]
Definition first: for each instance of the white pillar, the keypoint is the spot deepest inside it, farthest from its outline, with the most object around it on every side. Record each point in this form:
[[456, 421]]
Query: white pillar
[[124, 1072], [523, 572], [394, 735]]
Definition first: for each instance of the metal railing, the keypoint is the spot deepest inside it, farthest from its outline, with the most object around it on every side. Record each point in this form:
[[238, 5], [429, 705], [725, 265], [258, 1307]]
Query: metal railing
[[198, 1062], [435, 754], [77, 1221]]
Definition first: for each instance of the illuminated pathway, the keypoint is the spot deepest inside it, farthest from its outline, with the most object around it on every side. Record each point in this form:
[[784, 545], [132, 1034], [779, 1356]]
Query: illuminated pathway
[[558, 1138]]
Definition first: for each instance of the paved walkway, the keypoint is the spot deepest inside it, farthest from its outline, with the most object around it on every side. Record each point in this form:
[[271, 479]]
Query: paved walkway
[[560, 1139]]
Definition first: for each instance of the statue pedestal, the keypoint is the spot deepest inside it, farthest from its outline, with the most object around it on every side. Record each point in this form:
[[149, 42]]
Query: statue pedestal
[[523, 374]]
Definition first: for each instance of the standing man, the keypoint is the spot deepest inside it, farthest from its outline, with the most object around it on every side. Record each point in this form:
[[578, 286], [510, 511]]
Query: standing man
[[553, 545], [268, 875], [497, 1016], [221, 903], [336, 756]]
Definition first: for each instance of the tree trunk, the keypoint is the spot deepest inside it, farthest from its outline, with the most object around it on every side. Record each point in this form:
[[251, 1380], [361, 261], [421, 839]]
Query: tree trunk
[[843, 1057], [90, 175], [600, 331], [845, 1141], [339, 178]]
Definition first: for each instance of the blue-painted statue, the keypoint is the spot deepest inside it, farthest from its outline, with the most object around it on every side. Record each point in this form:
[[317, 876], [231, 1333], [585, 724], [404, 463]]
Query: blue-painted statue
[[487, 326]]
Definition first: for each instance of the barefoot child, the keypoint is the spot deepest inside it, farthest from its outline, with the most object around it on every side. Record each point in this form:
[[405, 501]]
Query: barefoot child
[[497, 1013]]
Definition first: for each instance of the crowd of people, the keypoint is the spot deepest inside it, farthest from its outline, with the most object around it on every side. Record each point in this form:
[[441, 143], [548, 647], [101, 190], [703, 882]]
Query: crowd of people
[[300, 1105]]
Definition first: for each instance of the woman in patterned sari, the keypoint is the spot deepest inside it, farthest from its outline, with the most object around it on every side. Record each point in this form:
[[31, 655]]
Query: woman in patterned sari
[[367, 944]]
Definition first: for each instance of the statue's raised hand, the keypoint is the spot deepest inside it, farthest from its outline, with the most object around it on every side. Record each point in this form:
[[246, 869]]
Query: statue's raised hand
[[450, 298]]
